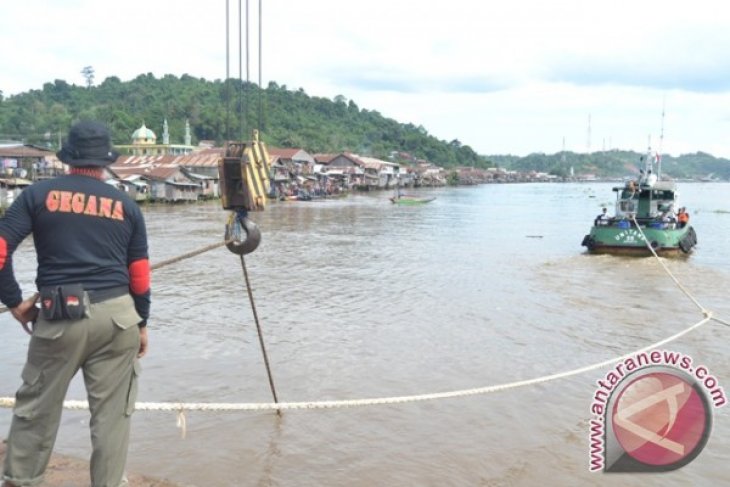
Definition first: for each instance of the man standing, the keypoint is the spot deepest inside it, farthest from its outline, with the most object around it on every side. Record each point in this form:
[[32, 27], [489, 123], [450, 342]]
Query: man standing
[[94, 288], [682, 217]]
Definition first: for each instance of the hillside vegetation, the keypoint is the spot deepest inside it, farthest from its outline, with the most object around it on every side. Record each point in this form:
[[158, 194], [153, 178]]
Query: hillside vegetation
[[286, 118], [617, 164]]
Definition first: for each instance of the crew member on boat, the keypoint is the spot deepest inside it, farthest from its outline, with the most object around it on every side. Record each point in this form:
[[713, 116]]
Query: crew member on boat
[[602, 218], [682, 217], [667, 218]]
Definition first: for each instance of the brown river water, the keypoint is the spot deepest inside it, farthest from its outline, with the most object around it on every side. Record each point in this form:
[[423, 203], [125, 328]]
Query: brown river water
[[358, 298]]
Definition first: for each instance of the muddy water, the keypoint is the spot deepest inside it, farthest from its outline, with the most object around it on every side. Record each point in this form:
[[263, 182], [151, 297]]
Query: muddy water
[[359, 298]]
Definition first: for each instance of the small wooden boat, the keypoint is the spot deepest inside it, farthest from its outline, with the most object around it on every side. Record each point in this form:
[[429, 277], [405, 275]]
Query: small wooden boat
[[409, 200]]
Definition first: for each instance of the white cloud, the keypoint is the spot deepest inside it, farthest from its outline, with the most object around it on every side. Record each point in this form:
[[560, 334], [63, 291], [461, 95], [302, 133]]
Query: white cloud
[[503, 77]]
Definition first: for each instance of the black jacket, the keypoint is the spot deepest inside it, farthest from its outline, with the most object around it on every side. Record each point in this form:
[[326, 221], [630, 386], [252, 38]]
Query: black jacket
[[85, 231]]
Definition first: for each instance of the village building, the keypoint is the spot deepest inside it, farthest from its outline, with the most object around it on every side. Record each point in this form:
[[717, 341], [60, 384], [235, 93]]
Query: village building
[[428, 174], [298, 161], [203, 162], [28, 162], [406, 177], [194, 173], [359, 172], [144, 142], [20, 165], [471, 175], [321, 161], [10, 188], [134, 185], [383, 174], [291, 173], [347, 167], [165, 179], [166, 172]]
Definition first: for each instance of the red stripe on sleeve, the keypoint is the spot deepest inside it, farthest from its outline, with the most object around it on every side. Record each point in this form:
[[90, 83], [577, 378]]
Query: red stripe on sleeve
[[3, 252], [139, 276]]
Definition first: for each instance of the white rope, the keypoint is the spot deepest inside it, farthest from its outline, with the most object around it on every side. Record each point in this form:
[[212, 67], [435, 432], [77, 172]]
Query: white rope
[[676, 281], [181, 407], [721, 321]]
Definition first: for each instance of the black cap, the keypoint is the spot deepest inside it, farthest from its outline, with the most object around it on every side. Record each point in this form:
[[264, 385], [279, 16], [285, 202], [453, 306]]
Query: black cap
[[88, 144]]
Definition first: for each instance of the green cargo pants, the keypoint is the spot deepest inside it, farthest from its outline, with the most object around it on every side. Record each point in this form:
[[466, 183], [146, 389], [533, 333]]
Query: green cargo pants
[[104, 344]]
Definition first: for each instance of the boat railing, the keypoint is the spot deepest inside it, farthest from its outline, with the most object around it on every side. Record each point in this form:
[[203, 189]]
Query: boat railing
[[625, 223]]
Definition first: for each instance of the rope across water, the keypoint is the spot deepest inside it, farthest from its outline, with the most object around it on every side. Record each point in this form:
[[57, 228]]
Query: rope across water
[[181, 407], [187, 406]]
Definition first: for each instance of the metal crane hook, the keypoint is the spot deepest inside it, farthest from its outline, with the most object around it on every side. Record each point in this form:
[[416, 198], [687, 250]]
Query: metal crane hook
[[242, 235]]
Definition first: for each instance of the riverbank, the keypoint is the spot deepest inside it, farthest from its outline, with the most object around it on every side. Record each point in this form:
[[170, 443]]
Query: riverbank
[[65, 471]]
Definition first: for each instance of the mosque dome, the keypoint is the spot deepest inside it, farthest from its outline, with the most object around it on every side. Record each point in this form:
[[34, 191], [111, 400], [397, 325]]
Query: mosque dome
[[143, 135]]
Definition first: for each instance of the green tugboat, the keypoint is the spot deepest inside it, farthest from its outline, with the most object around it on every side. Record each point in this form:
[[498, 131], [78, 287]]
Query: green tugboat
[[650, 203]]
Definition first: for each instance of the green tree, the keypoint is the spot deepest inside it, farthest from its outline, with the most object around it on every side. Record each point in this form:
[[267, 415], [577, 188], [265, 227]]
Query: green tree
[[88, 73], [290, 118]]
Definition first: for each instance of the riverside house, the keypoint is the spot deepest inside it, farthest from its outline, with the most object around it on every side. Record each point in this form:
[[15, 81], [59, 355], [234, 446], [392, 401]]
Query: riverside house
[[28, 162], [290, 170], [20, 165], [296, 161], [164, 176], [428, 174], [361, 172]]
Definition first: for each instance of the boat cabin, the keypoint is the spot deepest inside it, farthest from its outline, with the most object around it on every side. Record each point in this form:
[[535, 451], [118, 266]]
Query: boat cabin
[[645, 203]]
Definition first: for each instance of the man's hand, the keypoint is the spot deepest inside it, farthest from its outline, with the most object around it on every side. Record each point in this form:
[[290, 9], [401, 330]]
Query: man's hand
[[142, 342], [26, 312]]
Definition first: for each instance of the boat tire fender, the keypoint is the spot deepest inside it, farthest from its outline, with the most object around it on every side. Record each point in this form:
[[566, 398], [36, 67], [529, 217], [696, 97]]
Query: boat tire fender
[[688, 241], [588, 242], [684, 245], [693, 236]]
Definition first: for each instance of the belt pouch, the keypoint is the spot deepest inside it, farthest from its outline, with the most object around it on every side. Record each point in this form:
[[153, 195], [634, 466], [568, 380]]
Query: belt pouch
[[72, 301], [51, 303]]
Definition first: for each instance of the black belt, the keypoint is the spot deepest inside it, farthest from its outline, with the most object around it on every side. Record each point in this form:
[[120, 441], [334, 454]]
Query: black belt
[[99, 295]]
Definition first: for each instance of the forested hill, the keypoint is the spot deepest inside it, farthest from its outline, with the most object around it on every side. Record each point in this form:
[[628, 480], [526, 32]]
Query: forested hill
[[285, 118], [617, 164]]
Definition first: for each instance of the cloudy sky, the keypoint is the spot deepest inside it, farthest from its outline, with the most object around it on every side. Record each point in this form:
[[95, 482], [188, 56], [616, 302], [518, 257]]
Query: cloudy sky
[[515, 76]]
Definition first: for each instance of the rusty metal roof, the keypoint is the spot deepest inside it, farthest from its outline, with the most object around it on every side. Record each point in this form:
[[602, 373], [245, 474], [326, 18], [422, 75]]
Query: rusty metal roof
[[25, 151], [284, 153], [163, 171], [202, 158], [324, 158], [166, 172]]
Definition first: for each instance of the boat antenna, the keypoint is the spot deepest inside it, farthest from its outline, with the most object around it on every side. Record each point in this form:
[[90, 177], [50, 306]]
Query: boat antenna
[[661, 142]]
